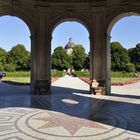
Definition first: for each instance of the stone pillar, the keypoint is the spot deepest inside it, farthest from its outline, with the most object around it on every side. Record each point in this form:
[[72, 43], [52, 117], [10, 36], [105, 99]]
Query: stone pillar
[[33, 38], [108, 65], [43, 55], [98, 49]]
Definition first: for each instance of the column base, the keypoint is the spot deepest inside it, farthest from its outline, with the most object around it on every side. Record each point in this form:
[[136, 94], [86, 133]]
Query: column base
[[100, 89], [42, 87]]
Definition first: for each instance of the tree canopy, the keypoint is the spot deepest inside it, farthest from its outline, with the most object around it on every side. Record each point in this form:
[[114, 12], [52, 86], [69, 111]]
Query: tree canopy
[[87, 61], [119, 57], [18, 58], [78, 57], [134, 55], [3, 55], [60, 59]]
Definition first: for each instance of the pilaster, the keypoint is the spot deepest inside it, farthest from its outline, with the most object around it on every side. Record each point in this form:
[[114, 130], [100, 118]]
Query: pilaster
[[33, 38]]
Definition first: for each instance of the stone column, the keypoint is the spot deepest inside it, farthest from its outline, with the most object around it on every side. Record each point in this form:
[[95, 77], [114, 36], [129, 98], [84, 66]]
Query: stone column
[[99, 50], [43, 54], [33, 38], [108, 65]]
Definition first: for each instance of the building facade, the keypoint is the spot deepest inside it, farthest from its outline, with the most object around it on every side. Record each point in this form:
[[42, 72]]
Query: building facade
[[98, 16]]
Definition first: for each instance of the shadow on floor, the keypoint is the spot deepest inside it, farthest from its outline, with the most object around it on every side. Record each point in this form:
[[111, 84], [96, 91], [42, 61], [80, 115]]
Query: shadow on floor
[[74, 102]]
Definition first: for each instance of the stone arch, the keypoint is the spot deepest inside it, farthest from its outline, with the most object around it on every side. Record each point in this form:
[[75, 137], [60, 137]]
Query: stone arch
[[111, 22], [28, 19], [117, 18], [64, 18], [24, 20], [21, 14], [69, 17]]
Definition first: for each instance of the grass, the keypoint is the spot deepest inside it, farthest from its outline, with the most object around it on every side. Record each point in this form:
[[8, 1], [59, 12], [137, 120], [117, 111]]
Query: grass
[[62, 73], [18, 74], [122, 74], [24, 77], [27, 79], [27, 74], [125, 79], [58, 73], [82, 74]]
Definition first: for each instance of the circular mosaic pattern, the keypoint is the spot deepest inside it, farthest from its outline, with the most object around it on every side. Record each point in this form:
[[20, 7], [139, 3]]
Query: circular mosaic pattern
[[41, 124]]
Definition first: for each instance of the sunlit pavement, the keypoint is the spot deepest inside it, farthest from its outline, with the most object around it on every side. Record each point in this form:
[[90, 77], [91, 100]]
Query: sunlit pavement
[[69, 113]]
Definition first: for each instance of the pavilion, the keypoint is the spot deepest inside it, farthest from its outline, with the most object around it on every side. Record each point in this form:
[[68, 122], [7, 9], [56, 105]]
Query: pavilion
[[98, 16]]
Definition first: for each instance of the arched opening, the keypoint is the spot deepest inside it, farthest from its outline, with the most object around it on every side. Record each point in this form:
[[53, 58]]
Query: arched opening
[[124, 65], [15, 50], [68, 39]]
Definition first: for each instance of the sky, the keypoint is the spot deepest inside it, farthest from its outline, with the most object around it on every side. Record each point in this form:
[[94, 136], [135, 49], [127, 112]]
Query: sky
[[127, 31], [14, 31]]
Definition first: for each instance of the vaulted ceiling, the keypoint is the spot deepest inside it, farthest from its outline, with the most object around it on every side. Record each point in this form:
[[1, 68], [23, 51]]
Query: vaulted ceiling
[[51, 2]]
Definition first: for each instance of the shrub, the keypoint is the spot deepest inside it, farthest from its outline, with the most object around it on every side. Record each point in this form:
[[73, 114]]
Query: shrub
[[1, 67], [9, 67], [137, 66], [130, 67], [82, 74], [57, 73]]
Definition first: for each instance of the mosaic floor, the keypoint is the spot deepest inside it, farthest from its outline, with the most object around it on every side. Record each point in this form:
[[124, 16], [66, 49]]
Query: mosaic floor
[[74, 115]]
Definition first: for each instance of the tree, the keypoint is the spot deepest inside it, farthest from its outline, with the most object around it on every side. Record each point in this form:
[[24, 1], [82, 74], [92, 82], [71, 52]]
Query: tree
[[9, 67], [130, 67], [3, 55], [60, 59], [119, 57], [78, 57], [19, 56], [134, 55], [87, 61]]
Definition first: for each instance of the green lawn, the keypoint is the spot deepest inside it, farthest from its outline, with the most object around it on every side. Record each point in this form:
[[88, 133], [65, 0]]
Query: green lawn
[[18, 74], [114, 79], [24, 77], [27, 79]]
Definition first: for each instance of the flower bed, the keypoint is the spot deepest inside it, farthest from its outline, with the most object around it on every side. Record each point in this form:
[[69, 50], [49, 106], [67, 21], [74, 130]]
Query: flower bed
[[54, 79], [125, 83], [85, 79]]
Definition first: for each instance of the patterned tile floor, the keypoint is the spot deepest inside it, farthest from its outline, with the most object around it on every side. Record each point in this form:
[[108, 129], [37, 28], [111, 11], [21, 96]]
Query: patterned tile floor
[[69, 113]]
